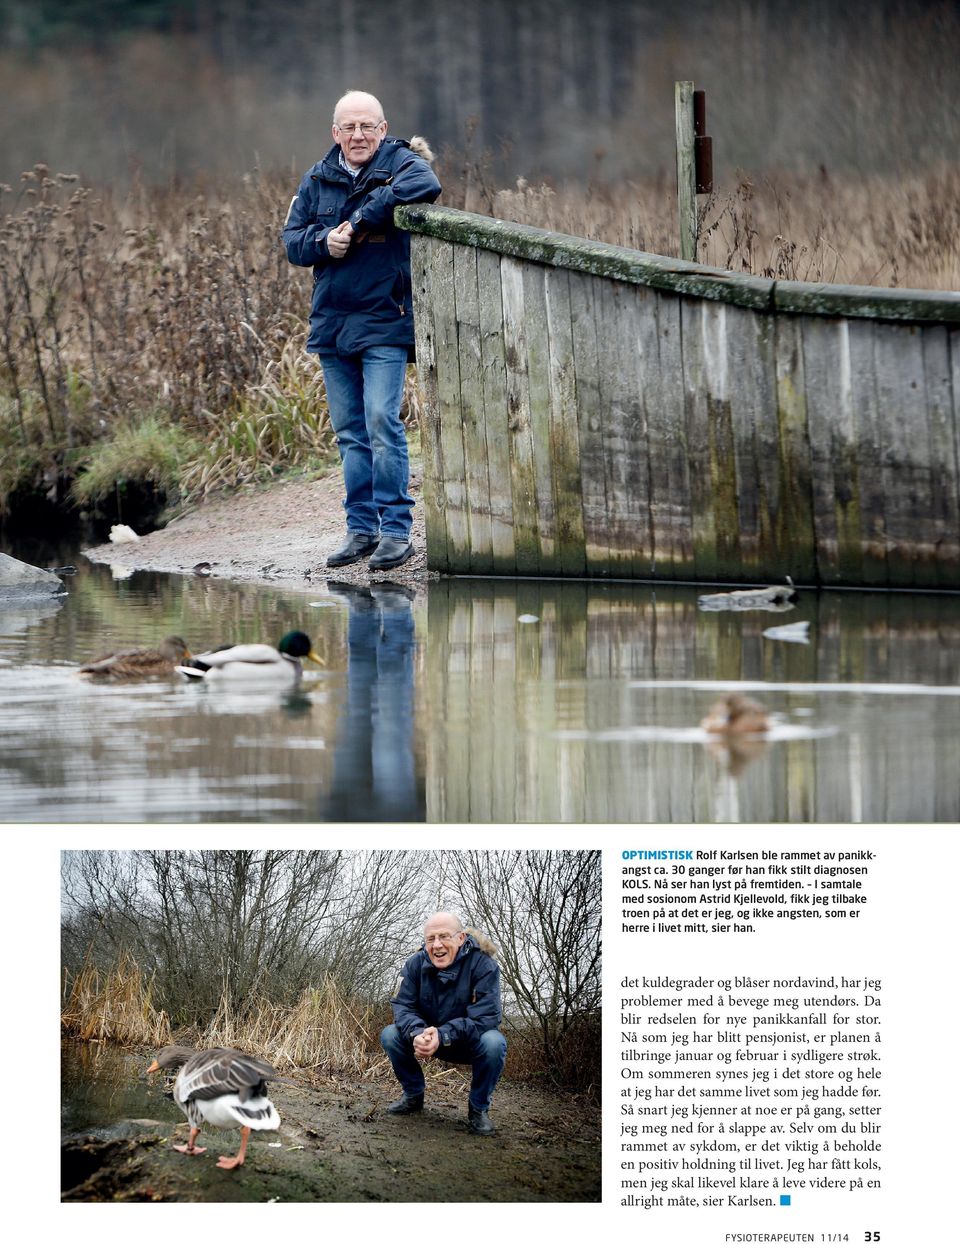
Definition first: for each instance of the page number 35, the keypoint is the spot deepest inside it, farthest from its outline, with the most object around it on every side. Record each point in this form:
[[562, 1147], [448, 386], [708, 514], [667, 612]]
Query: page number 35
[[871, 1236]]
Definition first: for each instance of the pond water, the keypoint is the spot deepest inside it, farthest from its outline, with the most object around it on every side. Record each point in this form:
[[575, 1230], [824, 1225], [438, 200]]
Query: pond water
[[476, 701], [102, 1086]]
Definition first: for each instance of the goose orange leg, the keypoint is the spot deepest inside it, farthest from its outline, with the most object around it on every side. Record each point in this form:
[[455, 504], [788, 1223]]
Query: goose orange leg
[[227, 1164], [190, 1147]]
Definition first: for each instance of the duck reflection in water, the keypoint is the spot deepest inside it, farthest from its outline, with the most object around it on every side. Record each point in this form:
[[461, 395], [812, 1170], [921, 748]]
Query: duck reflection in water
[[374, 771]]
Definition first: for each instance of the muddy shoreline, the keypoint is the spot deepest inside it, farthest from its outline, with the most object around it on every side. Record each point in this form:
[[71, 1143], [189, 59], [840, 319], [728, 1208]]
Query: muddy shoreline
[[336, 1143], [274, 533]]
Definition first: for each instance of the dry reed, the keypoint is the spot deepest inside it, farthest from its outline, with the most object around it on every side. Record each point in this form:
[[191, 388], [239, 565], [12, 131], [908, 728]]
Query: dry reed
[[324, 1030], [116, 1005], [893, 232]]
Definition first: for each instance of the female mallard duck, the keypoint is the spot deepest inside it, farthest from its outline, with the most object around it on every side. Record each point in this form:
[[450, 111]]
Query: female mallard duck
[[278, 666], [140, 662], [736, 714], [223, 1088]]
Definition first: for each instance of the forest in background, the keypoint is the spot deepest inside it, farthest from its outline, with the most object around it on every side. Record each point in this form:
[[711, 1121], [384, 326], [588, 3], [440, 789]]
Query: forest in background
[[557, 89]]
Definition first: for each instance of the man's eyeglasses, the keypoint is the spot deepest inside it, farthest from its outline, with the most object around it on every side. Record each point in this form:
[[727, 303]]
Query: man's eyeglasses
[[441, 937], [366, 128]]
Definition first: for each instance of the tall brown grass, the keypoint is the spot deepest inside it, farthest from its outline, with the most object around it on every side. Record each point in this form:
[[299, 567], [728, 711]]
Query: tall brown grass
[[893, 232], [175, 305], [113, 1005], [325, 1031]]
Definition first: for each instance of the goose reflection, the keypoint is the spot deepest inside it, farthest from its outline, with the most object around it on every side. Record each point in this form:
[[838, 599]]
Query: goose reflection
[[374, 770]]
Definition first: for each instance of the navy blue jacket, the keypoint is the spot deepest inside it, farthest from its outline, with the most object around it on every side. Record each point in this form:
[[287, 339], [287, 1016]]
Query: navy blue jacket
[[461, 1001], [364, 299]]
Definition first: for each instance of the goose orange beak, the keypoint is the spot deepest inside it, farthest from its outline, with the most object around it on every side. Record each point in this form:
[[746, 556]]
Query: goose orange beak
[[154, 1066]]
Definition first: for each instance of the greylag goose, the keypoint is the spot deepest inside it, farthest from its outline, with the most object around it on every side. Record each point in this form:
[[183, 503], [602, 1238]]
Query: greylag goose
[[223, 1088]]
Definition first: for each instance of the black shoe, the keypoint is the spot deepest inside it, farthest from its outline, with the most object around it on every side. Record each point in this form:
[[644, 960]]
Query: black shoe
[[479, 1123], [358, 545], [406, 1105], [390, 552]]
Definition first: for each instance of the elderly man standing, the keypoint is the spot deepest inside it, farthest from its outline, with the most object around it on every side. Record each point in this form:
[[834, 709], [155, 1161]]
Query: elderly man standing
[[448, 1007], [361, 318]]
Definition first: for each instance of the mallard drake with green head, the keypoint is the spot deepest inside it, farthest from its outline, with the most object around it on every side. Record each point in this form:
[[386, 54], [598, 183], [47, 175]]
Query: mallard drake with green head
[[280, 666], [140, 662], [222, 1088]]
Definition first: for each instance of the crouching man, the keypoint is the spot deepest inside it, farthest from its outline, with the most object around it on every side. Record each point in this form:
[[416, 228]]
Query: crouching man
[[448, 1007]]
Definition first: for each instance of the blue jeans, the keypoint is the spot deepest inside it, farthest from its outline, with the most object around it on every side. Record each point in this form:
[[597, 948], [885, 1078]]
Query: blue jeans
[[486, 1053], [364, 393]]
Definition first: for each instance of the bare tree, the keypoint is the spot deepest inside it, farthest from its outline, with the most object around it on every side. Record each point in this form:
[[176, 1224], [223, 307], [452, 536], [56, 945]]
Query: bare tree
[[242, 925], [543, 910]]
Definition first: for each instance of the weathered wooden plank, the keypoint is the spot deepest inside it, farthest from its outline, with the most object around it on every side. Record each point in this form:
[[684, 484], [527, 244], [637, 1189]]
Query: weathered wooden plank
[[640, 368], [911, 549], [826, 352], [870, 454], [624, 433], [583, 294], [538, 389], [794, 520], [493, 365], [752, 387], [767, 444], [522, 474], [671, 504], [820, 361], [564, 425], [704, 362], [686, 170], [433, 509], [944, 466], [739, 339], [472, 415], [953, 342], [451, 491], [867, 302], [715, 321]]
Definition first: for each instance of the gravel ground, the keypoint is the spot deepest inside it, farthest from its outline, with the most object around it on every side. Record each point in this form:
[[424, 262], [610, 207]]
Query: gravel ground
[[280, 532]]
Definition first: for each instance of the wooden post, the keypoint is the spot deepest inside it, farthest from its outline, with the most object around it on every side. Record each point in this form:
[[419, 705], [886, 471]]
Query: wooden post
[[686, 171]]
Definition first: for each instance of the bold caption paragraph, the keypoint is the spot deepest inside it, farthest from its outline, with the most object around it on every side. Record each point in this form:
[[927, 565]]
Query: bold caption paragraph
[[739, 891], [742, 1091]]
